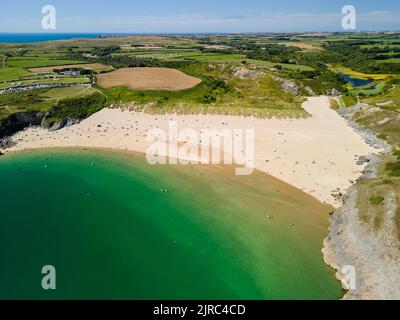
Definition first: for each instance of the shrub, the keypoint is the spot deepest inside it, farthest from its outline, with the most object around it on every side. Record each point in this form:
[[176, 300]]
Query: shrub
[[376, 200], [393, 168], [79, 108]]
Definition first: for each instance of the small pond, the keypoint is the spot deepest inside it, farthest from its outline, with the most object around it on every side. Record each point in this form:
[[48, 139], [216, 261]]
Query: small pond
[[356, 82]]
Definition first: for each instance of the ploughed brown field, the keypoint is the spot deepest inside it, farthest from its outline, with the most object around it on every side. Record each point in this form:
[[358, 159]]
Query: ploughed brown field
[[303, 45], [148, 79]]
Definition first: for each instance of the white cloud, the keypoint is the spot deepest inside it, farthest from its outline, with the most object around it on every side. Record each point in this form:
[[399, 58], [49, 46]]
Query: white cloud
[[262, 22]]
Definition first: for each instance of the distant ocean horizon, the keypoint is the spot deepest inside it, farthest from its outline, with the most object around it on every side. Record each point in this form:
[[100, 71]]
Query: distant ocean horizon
[[42, 37]]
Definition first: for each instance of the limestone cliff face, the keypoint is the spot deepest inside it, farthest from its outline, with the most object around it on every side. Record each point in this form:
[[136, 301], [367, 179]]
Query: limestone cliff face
[[373, 252], [19, 121], [54, 125]]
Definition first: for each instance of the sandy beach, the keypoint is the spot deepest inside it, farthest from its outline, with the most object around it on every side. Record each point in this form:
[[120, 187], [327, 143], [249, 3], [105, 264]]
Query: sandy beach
[[317, 155]]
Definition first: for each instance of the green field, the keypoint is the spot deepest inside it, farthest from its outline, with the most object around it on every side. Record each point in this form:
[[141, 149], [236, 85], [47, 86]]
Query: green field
[[394, 60], [8, 74], [67, 93], [39, 100], [390, 99], [369, 92], [31, 62]]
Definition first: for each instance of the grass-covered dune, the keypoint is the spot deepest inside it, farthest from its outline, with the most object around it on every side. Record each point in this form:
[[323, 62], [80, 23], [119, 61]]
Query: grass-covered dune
[[219, 92]]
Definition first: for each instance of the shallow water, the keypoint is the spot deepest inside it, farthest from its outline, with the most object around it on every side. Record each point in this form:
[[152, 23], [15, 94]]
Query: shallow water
[[101, 220], [356, 82]]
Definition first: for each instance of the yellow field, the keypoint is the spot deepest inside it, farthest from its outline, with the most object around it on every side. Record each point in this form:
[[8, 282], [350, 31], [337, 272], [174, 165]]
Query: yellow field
[[360, 75], [303, 45], [148, 79]]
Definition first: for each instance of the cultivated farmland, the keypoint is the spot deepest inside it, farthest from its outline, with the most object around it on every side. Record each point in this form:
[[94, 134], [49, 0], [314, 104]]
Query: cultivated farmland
[[148, 79]]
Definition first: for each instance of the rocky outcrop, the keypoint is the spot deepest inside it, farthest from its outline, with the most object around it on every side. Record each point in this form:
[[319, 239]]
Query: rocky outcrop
[[354, 244], [333, 92], [309, 91], [18, 121], [374, 255], [245, 74], [293, 88], [288, 86], [54, 125], [6, 143], [368, 135], [21, 120]]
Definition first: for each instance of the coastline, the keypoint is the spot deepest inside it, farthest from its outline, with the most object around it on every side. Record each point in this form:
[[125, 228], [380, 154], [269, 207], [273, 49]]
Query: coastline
[[321, 137], [317, 155], [352, 242]]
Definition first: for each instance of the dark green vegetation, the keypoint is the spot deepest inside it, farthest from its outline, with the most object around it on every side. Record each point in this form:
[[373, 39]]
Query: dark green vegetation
[[376, 200], [384, 121], [100, 219], [76, 108], [351, 54], [393, 168]]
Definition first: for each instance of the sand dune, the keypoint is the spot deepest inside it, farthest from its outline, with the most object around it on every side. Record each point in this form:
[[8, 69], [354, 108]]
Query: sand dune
[[317, 155]]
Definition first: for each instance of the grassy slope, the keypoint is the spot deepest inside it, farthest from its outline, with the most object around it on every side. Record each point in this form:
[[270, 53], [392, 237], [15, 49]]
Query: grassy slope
[[259, 97], [39, 100], [390, 99], [8, 74], [386, 123], [30, 62]]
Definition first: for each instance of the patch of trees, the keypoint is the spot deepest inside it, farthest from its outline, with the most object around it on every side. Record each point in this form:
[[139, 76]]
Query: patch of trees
[[217, 87], [347, 54], [21, 53], [132, 62], [352, 56], [78, 108], [387, 56], [320, 81], [220, 51], [375, 50], [74, 55], [105, 51], [273, 52]]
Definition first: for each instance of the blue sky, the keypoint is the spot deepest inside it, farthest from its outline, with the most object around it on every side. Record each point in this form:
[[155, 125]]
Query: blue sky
[[185, 16]]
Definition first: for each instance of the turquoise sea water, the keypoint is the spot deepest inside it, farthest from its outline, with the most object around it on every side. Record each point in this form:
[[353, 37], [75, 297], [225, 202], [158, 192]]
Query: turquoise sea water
[[102, 220], [40, 37]]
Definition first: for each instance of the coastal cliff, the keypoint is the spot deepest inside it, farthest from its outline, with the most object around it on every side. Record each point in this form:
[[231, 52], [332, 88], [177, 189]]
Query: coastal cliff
[[16, 122], [21, 120], [356, 239]]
